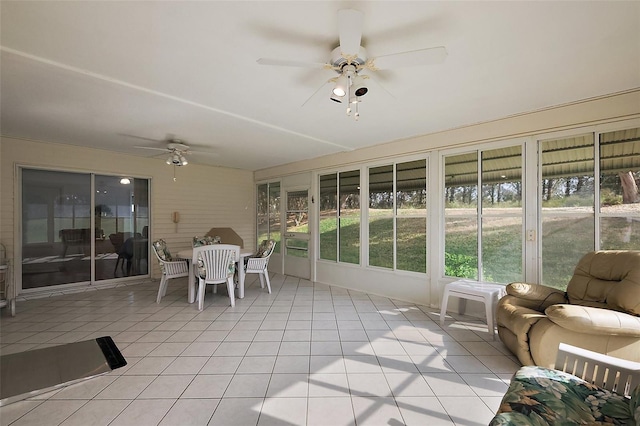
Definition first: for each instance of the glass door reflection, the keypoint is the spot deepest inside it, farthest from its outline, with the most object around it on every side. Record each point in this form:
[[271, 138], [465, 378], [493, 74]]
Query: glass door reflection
[[122, 224], [56, 228]]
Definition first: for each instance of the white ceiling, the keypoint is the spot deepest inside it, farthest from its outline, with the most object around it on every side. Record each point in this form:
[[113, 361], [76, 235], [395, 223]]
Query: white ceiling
[[91, 73]]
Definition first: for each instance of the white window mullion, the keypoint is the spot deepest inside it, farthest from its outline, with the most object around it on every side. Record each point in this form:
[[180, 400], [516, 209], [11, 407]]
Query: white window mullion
[[479, 213], [596, 190]]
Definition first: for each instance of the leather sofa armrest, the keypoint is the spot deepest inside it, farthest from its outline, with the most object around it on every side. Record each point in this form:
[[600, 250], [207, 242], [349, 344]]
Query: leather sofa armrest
[[536, 296], [586, 319]]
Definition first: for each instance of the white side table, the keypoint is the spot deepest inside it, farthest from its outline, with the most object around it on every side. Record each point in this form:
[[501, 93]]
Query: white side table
[[488, 293]]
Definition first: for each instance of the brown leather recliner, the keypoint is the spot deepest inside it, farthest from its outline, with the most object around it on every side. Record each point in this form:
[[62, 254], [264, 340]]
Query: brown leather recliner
[[600, 311]]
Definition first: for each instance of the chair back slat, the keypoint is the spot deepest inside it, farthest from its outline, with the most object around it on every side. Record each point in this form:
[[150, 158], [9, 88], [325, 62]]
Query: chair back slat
[[217, 261]]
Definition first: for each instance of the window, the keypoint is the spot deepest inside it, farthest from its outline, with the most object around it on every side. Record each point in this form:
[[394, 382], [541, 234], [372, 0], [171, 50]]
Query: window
[[566, 199], [483, 232], [297, 215], [619, 197], [398, 216], [340, 217], [381, 216], [589, 198], [461, 216], [502, 215], [328, 224], [268, 213]]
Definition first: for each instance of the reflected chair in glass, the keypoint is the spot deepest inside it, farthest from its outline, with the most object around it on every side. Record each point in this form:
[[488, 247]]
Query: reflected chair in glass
[[259, 262], [170, 268], [215, 264]]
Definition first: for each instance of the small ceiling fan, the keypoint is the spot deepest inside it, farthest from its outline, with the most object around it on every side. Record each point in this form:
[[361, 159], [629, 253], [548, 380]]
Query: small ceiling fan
[[350, 58], [177, 150]]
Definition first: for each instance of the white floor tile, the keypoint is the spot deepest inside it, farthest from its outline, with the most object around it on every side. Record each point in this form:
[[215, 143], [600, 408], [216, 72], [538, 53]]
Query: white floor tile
[[328, 385], [466, 364], [408, 384], [250, 385], [207, 386], [423, 410], [283, 411], [376, 411], [10, 413], [256, 364], [326, 364], [448, 384], [288, 385], [237, 412], [469, 411], [166, 387], [335, 411], [292, 364], [150, 366], [190, 412], [221, 365], [96, 412], [368, 384], [126, 387], [143, 412], [186, 365], [362, 364], [49, 412]]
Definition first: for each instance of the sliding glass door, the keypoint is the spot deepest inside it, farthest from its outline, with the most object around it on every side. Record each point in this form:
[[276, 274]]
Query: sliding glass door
[[122, 224], [81, 228], [56, 228]]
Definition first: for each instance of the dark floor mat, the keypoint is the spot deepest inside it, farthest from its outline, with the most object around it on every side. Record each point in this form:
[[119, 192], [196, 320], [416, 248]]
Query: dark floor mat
[[30, 373]]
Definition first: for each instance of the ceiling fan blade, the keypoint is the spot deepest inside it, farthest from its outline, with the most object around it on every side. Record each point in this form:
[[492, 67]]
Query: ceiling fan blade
[[205, 153], [350, 30], [414, 58], [151, 147], [315, 93], [139, 137], [377, 84], [286, 63]]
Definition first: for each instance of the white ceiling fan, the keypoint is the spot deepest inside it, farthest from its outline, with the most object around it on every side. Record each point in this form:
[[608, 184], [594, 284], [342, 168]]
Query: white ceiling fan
[[177, 150], [350, 58]]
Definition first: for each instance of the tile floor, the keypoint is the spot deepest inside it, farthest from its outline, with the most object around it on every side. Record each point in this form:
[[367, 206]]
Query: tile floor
[[308, 354]]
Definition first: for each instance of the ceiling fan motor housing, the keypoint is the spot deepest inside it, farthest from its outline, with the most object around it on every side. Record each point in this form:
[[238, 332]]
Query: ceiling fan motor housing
[[338, 61]]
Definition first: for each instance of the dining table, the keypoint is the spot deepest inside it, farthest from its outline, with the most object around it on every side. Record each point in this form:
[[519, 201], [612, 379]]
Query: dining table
[[188, 255]]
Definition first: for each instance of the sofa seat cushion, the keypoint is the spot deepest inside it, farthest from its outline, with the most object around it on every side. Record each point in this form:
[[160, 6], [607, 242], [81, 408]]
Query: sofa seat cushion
[[541, 396], [585, 319]]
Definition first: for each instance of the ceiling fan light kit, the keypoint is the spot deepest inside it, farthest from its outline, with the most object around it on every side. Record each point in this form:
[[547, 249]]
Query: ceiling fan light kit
[[349, 84], [177, 159]]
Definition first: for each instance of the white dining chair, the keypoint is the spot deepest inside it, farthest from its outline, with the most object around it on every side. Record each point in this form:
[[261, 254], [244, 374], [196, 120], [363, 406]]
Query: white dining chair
[[259, 262], [171, 268], [215, 264]]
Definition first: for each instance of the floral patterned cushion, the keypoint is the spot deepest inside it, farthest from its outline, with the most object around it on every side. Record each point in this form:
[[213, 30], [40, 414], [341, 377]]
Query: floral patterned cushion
[[205, 241], [265, 248], [634, 404], [162, 250], [541, 396]]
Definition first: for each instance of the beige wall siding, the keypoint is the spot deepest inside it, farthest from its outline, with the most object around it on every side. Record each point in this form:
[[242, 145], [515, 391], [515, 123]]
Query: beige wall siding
[[205, 196]]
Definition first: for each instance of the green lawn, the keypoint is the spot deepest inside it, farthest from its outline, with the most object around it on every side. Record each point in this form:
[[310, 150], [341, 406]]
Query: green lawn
[[565, 240]]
